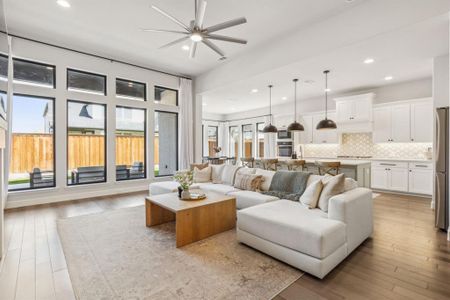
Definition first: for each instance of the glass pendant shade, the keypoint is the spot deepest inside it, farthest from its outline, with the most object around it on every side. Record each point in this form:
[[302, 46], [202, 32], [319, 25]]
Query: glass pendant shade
[[326, 123], [270, 128], [296, 126]]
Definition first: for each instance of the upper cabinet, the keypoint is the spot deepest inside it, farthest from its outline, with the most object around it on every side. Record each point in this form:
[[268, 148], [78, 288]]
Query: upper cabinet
[[306, 136], [327, 136], [354, 113], [402, 123]]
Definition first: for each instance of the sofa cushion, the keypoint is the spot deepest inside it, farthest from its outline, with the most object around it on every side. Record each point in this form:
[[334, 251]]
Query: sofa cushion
[[248, 182], [202, 175], [293, 225], [216, 173], [245, 170], [312, 194], [199, 166], [223, 189], [267, 175], [228, 174], [350, 184], [246, 199], [166, 187], [332, 185]]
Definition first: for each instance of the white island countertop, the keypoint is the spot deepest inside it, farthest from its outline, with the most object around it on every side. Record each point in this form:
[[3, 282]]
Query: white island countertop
[[356, 162]]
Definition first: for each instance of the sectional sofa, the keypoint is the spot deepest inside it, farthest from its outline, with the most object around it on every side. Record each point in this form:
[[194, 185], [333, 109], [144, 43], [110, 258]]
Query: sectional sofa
[[311, 240]]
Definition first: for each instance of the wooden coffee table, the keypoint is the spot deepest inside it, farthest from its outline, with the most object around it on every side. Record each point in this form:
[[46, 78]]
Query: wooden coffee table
[[195, 220]]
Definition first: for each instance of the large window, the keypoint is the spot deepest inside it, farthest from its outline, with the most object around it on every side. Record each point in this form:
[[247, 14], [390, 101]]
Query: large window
[[32, 156], [86, 153], [130, 143], [33, 73], [3, 103], [128, 89], [213, 140], [3, 67], [166, 96], [86, 82], [260, 139], [247, 140], [166, 143], [234, 141]]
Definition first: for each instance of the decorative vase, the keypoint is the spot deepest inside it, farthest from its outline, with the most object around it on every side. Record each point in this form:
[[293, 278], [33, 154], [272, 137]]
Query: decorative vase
[[185, 195], [180, 190]]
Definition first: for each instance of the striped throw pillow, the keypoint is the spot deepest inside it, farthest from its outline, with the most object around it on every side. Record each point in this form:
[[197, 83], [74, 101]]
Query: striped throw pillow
[[248, 182]]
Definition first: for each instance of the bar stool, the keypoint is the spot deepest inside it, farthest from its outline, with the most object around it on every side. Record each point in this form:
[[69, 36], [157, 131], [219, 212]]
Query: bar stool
[[328, 167], [270, 164], [248, 162], [296, 165]]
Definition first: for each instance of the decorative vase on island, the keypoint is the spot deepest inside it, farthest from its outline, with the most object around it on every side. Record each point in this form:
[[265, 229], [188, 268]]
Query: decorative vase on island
[[185, 195]]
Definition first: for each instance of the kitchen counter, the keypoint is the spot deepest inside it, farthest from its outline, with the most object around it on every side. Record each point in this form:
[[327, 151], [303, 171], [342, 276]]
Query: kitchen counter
[[402, 159], [312, 160]]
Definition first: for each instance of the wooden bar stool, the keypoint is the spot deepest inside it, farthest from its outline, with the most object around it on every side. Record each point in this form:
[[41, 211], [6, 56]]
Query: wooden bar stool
[[328, 167], [270, 164], [248, 162], [296, 165]]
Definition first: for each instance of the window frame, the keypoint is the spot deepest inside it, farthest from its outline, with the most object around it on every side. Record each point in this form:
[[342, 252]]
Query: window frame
[[7, 58], [35, 63], [243, 139], [105, 143], [176, 141], [257, 139], [129, 97], [105, 92], [236, 155], [145, 143], [53, 141], [170, 89], [217, 135]]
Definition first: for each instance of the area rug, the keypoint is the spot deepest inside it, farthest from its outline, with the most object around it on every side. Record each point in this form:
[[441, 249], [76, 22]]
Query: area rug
[[113, 255]]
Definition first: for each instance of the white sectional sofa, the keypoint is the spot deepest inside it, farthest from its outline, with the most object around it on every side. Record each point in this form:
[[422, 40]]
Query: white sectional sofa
[[312, 240]]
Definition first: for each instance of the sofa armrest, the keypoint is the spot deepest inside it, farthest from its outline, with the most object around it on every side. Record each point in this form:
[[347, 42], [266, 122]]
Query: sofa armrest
[[354, 208]]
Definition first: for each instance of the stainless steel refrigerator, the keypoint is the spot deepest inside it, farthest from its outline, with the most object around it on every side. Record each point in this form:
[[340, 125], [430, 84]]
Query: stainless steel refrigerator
[[442, 165]]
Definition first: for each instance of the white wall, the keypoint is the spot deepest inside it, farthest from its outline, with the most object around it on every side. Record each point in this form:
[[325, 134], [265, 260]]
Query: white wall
[[63, 59]]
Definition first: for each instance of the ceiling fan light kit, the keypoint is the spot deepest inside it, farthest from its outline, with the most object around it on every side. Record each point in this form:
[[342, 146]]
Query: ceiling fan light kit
[[296, 126], [197, 33], [326, 123], [270, 128]]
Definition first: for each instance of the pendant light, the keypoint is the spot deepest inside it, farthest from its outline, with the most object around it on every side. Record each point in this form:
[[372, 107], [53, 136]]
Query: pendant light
[[326, 123], [296, 126], [270, 128]]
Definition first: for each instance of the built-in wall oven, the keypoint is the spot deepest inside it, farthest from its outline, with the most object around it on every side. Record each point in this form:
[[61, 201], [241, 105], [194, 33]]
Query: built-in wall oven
[[284, 149], [283, 134]]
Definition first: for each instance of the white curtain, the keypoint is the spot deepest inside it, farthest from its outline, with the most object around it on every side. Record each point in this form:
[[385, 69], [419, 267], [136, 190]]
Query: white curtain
[[186, 125], [270, 142], [223, 138]]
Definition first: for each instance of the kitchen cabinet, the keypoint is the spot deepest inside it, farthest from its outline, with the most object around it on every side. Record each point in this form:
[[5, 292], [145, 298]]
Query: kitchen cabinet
[[389, 175], [420, 178], [381, 125], [354, 109], [422, 122], [327, 136], [400, 123], [306, 136]]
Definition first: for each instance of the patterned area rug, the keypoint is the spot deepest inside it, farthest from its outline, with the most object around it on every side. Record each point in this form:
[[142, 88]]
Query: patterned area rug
[[113, 255]]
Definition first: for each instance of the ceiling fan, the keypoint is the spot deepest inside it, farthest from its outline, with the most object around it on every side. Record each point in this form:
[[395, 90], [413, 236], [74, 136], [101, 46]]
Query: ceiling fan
[[196, 32]]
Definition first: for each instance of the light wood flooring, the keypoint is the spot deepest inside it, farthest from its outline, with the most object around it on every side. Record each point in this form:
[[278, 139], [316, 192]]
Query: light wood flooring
[[405, 259]]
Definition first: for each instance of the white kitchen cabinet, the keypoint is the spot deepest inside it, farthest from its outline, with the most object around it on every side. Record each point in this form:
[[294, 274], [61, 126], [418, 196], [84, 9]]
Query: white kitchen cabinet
[[387, 175], [420, 178], [381, 125], [344, 110], [398, 179], [327, 136], [400, 123], [354, 109], [306, 136], [422, 122], [379, 178]]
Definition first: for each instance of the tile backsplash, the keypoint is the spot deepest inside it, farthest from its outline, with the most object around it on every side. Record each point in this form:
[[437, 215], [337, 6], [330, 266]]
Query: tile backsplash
[[360, 144]]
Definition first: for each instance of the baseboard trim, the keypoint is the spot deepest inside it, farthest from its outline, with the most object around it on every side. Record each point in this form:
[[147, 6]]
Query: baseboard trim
[[401, 193]]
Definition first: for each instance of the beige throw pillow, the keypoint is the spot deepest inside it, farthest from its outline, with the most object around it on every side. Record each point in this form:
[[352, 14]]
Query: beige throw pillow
[[203, 175], [311, 195], [248, 182], [332, 185], [199, 166], [216, 173]]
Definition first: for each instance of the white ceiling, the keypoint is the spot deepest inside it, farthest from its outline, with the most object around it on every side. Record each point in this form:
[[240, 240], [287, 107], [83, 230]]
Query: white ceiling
[[405, 54], [112, 28]]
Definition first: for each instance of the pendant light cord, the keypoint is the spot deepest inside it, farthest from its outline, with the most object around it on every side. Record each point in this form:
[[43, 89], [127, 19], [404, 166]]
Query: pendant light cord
[[295, 100], [270, 103], [326, 94]]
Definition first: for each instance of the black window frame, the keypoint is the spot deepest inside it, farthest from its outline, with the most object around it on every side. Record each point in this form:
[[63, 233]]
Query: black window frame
[[134, 82], [145, 142], [162, 87], [54, 143], [243, 139], [176, 143], [229, 138], [35, 63], [87, 73], [257, 139], [67, 142]]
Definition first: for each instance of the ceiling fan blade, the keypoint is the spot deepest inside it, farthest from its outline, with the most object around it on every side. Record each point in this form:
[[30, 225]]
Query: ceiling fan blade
[[226, 24], [174, 42], [213, 47], [171, 17], [200, 14], [192, 49], [225, 38], [163, 31]]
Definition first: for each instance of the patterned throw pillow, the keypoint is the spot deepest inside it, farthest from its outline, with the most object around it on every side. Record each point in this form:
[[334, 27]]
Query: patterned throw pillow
[[203, 175], [248, 182], [199, 166]]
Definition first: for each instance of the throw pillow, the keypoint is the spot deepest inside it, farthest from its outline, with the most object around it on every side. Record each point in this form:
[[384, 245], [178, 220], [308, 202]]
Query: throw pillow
[[199, 166], [203, 175], [350, 184], [312, 194], [228, 174], [267, 175], [245, 170], [332, 185], [248, 182], [216, 173]]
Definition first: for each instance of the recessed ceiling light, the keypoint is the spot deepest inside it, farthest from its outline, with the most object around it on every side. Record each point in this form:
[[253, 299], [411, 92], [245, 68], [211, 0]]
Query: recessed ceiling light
[[309, 81], [387, 78], [63, 3], [196, 37], [327, 90], [185, 47], [254, 90], [369, 60], [204, 104], [349, 1], [283, 98]]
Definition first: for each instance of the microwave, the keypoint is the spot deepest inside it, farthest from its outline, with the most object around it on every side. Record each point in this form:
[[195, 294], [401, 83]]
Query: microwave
[[283, 134]]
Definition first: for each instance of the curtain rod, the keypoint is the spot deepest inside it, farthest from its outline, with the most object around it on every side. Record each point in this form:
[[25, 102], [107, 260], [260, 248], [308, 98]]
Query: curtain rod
[[233, 120], [94, 55]]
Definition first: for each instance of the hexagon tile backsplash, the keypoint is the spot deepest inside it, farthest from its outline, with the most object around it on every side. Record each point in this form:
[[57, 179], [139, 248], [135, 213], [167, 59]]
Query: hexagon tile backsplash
[[360, 144]]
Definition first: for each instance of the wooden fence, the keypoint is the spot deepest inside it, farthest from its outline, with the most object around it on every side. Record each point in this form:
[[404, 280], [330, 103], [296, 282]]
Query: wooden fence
[[36, 151]]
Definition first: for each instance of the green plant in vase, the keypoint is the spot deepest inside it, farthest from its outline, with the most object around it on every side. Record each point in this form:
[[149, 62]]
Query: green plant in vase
[[185, 179]]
